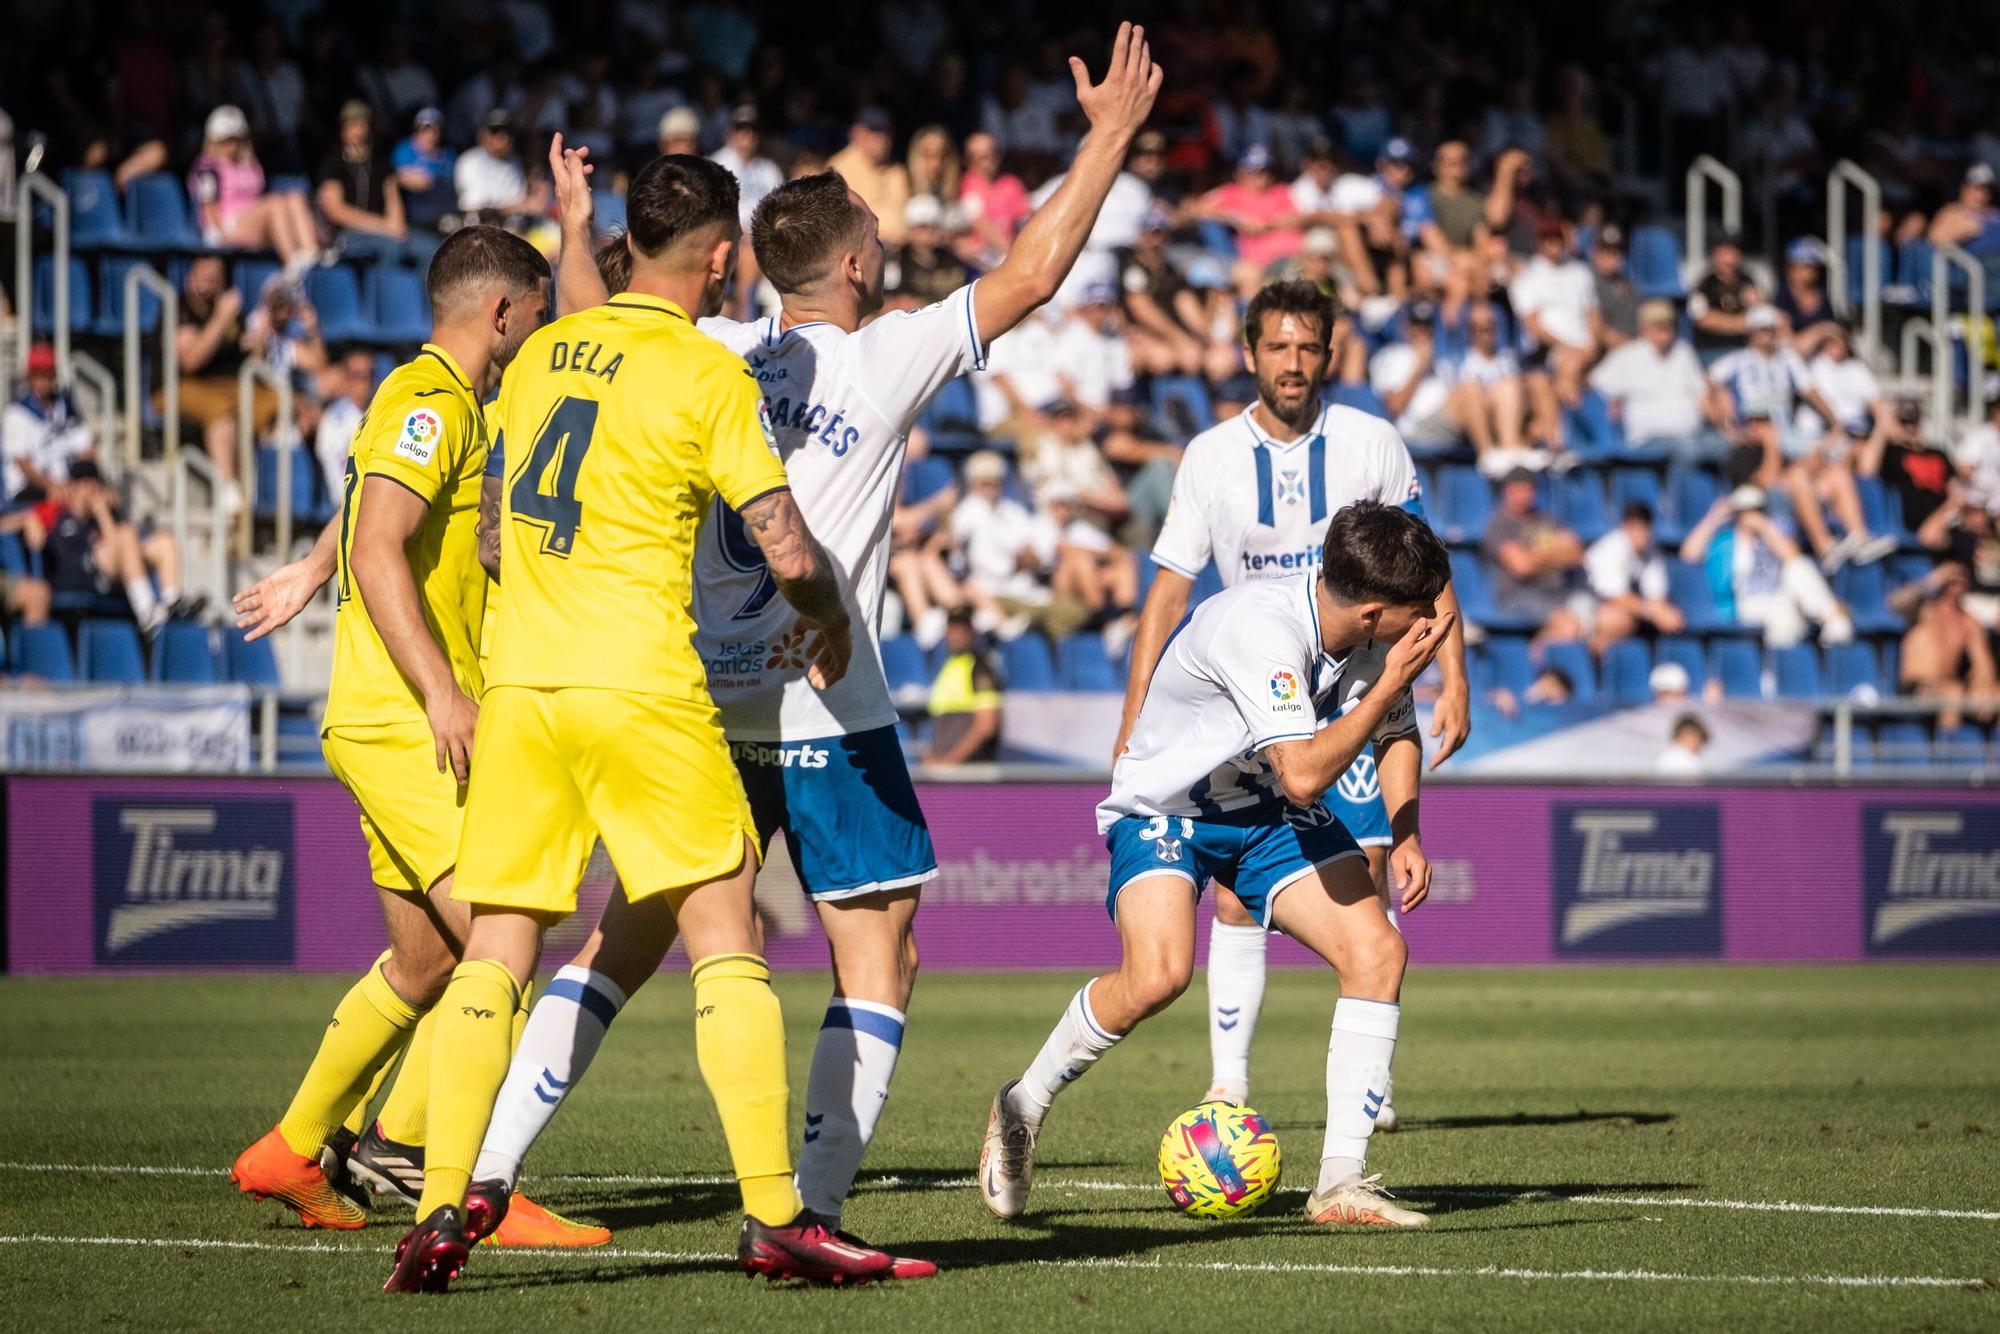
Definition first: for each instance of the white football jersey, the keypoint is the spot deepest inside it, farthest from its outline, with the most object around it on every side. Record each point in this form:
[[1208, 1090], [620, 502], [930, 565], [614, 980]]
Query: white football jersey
[[840, 410], [1248, 670], [1260, 508]]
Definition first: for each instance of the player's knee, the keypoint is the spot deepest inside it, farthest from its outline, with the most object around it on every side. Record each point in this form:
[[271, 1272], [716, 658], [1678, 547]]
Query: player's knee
[[1374, 966], [421, 979], [1159, 980]]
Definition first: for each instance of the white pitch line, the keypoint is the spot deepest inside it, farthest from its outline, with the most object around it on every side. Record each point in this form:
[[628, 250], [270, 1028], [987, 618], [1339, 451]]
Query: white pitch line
[[893, 1182], [1216, 1266]]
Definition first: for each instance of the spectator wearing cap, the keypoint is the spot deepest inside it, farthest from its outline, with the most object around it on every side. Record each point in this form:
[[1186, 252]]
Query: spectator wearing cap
[[1318, 263], [1971, 221], [1759, 577], [1165, 327], [925, 269], [42, 433], [1629, 580], [1802, 298], [743, 153], [1096, 360], [423, 167], [359, 197], [995, 202], [1367, 214], [966, 700], [227, 186], [1616, 321], [1721, 301], [1434, 404], [680, 132], [1009, 555], [1064, 459], [865, 164], [1669, 683], [1916, 471], [1536, 564], [1946, 653], [1555, 297], [490, 182], [1754, 393], [1260, 212], [1655, 387]]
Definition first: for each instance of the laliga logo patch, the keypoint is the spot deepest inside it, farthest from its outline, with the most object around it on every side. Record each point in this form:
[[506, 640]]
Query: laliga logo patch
[[418, 440], [1284, 686]]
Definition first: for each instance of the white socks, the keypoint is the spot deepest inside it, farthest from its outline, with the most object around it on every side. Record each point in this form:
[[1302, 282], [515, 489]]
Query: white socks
[[1073, 1047], [1357, 1082], [1235, 996], [557, 1045], [852, 1065]]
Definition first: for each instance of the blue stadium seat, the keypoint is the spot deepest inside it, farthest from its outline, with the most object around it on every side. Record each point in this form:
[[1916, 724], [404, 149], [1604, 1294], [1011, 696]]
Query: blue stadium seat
[[1962, 745], [110, 285], [185, 655], [94, 217], [1217, 238], [289, 184], [1913, 268], [335, 292], [1026, 664], [1739, 665], [400, 307], [1902, 742], [111, 653], [250, 277], [1863, 588], [13, 556], [1630, 485], [1849, 666], [1797, 671], [1687, 651], [1576, 498], [1082, 664], [952, 419], [1181, 405], [157, 216], [1654, 260], [43, 650], [1627, 666], [903, 663], [250, 662], [45, 295], [1362, 398], [1475, 594], [925, 477], [1464, 503], [1589, 431], [1690, 494], [1507, 661], [1687, 586], [1908, 568], [1572, 659], [1856, 253], [607, 211], [308, 504]]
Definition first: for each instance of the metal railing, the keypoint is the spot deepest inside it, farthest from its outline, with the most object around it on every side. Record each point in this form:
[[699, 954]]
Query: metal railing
[[285, 432], [36, 185], [1845, 713], [98, 400], [138, 278], [193, 465], [1700, 173], [1944, 259], [1847, 173]]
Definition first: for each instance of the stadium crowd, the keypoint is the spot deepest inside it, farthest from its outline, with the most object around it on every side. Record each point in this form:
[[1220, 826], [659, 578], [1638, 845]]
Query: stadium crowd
[[1630, 468]]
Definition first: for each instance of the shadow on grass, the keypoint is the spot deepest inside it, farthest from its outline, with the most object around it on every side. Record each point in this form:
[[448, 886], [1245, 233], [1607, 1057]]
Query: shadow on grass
[[1489, 1122]]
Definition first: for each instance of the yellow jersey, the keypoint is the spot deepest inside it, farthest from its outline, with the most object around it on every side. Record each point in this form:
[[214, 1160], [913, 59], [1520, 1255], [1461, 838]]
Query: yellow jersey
[[620, 424], [423, 430]]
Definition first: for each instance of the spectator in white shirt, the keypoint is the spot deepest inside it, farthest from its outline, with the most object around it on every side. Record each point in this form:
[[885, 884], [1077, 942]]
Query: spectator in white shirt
[[1008, 553], [1553, 296], [1823, 476], [1023, 375], [488, 177], [756, 175], [1682, 757], [346, 387], [42, 431], [1754, 393], [1432, 404], [1761, 577], [1655, 387], [1092, 351], [1978, 454], [1065, 460], [1629, 579], [1368, 216]]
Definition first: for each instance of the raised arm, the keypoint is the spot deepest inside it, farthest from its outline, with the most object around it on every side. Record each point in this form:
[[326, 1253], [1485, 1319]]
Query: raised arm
[[1046, 249], [804, 574], [578, 284]]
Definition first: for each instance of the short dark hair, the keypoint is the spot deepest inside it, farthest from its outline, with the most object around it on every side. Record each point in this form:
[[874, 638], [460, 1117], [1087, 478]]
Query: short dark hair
[[1638, 511], [1379, 553], [473, 260], [801, 227], [675, 196], [614, 263], [1295, 297], [1687, 722]]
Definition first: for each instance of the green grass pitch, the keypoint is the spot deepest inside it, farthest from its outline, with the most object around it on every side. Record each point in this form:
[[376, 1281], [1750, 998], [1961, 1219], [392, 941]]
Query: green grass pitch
[[1602, 1149]]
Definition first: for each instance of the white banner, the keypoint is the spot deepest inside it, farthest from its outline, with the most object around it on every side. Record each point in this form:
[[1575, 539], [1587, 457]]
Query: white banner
[[135, 729]]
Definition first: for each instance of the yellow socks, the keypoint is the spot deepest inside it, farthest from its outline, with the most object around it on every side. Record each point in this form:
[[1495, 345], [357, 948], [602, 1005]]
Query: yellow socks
[[357, 1120], [469, 1055], [739, 1042], [404, 1115], [368, 1025]]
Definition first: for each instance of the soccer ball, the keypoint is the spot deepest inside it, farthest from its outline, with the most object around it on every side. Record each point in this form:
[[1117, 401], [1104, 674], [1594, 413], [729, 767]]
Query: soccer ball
[[1219, 1160]]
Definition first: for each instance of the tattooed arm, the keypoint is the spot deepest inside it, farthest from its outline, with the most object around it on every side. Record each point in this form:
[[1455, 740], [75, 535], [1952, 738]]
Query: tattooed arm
[[800, 567], [489, 526]]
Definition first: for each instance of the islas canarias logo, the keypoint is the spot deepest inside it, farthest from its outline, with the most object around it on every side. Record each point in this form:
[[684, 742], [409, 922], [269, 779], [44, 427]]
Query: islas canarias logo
[[1284, 686]]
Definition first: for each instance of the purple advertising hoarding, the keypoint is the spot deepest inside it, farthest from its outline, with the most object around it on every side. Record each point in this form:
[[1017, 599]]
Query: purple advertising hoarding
[[123, 873]]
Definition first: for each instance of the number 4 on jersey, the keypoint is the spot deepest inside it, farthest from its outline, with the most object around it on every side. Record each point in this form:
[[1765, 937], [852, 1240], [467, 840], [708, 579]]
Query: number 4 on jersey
[[544, 490]]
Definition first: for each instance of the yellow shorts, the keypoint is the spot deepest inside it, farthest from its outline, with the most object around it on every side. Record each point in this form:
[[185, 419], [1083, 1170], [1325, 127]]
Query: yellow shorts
[[411, 814], [554, 770]]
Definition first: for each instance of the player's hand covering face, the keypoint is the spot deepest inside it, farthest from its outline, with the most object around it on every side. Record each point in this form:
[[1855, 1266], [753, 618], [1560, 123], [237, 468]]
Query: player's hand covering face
[[1415, 651], [1122, 102]]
